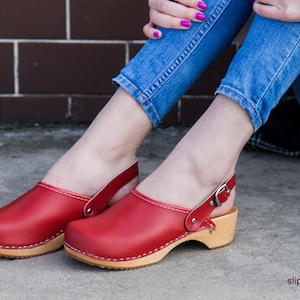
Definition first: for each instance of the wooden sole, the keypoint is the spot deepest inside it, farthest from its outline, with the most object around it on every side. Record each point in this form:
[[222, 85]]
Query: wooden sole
[[52, 246], [222, 236]]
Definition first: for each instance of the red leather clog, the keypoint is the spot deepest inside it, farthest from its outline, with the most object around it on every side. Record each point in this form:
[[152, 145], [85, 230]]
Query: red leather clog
[[34, 223], [139, 231]]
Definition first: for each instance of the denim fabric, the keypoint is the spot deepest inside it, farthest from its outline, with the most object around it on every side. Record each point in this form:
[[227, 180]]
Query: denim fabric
[[164, 69], [264, 68]]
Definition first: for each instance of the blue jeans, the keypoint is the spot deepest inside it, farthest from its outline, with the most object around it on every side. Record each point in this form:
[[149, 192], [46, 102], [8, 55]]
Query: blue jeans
[[260, 73]]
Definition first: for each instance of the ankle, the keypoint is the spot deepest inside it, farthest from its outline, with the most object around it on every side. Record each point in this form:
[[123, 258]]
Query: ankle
[[179, 183], [86, 173]]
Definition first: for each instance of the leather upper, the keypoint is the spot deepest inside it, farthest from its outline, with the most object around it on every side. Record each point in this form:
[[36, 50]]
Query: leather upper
[[137, 226]]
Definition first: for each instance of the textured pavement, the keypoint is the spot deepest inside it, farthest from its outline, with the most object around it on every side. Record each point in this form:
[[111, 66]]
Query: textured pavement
[[263, 262]]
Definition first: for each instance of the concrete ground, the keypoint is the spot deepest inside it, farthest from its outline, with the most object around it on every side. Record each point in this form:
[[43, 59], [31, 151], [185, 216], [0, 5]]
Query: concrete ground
[[263, 262]]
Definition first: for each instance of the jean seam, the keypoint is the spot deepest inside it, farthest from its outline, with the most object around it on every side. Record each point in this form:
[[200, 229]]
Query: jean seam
[[275, 77], [192, 45]]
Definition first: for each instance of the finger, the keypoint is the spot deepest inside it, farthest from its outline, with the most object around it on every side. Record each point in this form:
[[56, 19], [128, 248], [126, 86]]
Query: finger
[[267, 11], [265, 2], [180, 11], [163, 5], [167, 21], [197, 4], [151, 32]]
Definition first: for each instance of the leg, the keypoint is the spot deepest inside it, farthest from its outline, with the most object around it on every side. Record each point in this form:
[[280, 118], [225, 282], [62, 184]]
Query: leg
[[203, 159], [157, 86], [34, 223], [256, 92], [106, 141], [104, 149], [265, 67], [140, 230]]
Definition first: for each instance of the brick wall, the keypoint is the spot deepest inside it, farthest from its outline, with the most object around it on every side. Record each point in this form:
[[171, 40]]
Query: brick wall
[[57, 59]]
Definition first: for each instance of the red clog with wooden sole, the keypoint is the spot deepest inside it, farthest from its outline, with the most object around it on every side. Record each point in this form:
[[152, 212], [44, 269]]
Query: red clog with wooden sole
[[139, 231], [34, 223]]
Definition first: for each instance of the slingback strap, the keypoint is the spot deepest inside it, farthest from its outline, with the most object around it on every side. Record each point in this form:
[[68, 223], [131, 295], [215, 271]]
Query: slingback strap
[[198, 215], [100, 200]]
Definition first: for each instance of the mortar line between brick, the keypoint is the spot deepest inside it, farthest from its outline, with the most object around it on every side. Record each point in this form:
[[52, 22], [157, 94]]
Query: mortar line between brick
[[179, 107], [69, 109], [64, 41], [127, 54], [62, 95], [16, 68], [68, 20]]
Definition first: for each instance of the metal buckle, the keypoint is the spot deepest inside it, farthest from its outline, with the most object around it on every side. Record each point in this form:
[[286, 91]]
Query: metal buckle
[[219, 191]]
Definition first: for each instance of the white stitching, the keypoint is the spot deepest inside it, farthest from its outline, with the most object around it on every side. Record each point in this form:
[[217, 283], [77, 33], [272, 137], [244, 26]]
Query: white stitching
[[32, 245], [160, 204], [127, 258]]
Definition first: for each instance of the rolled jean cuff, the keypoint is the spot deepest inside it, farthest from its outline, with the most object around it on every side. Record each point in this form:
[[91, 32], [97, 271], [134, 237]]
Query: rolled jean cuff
[[264, 68]]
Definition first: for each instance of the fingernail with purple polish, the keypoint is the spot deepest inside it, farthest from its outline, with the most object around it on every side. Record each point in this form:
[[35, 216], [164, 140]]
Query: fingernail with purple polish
[[202, 5], [156, 34], [185, 23], [200, 16]]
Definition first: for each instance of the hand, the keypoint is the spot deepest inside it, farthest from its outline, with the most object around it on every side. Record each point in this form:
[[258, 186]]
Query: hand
[[283, 10], [175, 15]]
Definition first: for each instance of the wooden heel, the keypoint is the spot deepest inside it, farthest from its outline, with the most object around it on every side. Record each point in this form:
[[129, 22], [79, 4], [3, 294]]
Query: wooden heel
[[224, 233]]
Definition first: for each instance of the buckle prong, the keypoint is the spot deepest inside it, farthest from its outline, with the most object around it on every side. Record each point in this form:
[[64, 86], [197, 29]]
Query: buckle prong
[[219, 191]]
